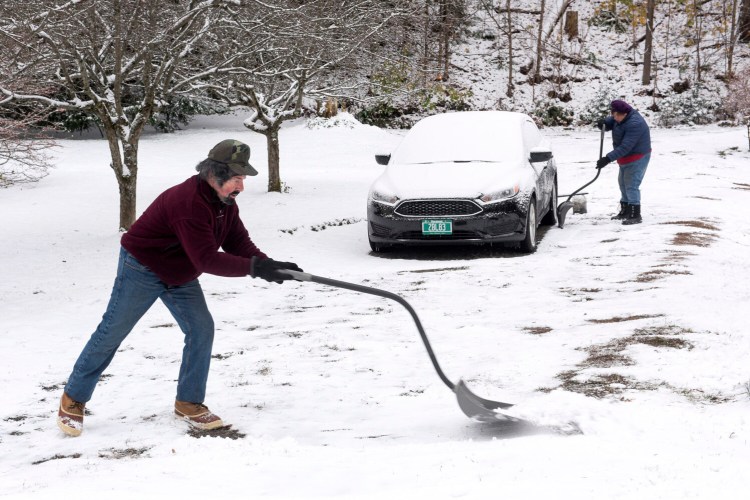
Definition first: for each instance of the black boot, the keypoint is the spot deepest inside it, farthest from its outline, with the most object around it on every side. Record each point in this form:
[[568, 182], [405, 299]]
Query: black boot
[[634, 215], [623, 211]]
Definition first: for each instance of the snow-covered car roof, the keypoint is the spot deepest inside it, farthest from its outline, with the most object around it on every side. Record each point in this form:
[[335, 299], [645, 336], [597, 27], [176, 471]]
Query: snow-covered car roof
[[487, 136]]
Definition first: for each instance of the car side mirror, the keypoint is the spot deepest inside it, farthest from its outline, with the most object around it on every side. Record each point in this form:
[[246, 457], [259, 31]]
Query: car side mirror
[[382, 159], [539, 155]]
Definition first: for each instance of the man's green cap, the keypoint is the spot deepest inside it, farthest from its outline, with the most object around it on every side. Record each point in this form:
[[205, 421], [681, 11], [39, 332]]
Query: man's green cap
[[235, 154]]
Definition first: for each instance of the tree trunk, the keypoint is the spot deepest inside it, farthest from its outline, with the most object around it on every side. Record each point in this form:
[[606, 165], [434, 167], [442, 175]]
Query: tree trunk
[[571, 24], [511, 86], [648, 48], [442, 46], [538, 65], [124, 158], [127, 187], [665, 64], [698, 40], [426, 45], [732, 41], [744, 22], [272, 142]]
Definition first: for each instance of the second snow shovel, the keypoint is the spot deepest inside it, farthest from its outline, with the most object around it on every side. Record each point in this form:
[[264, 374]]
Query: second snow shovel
[[565, 206], [472, 405]]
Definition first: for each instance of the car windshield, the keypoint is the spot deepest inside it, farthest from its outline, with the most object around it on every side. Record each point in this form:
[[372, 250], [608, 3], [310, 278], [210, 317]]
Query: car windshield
[[460, 139]]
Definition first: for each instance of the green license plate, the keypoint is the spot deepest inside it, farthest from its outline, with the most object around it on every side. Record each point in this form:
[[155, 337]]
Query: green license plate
[[435, 227]]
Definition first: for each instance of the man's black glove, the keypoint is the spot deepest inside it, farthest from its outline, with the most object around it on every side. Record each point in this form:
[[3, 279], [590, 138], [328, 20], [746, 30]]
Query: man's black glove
[[600, 123], [268, 269], [603, 162]]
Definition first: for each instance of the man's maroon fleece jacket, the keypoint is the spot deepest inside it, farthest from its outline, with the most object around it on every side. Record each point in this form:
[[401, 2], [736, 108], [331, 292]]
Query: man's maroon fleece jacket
[[179, 235]]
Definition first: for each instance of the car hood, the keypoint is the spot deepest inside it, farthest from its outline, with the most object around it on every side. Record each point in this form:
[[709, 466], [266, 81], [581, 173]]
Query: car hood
[[451, 180]]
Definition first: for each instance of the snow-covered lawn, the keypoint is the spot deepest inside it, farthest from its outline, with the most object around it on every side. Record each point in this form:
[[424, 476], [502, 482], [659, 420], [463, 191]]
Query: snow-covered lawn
[[638, 336]]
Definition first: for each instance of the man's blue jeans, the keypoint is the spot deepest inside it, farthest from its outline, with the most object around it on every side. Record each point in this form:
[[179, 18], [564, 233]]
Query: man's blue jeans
[[630, 178], [135, 290]]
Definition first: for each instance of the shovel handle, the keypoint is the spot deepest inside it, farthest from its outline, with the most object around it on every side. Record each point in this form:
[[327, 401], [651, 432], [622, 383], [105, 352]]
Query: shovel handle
[[598, 170], [297, 275], [302, 276]]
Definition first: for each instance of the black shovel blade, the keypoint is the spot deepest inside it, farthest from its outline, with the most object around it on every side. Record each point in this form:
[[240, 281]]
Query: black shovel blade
[[562, 211], [478, 408]]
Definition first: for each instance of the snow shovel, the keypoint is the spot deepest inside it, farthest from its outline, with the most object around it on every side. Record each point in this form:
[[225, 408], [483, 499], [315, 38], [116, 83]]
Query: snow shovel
[[472, 405], [565, 206]]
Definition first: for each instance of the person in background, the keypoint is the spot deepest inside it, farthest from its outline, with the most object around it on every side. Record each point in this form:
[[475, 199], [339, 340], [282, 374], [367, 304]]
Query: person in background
[[631, 139], [172, 243]]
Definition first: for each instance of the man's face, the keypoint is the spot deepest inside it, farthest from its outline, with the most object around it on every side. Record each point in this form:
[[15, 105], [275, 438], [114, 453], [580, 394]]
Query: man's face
[[619, 117], [230, 189]]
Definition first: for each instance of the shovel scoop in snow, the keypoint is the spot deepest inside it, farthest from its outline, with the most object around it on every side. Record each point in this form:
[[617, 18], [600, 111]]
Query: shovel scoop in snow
[[472, 405], [577, 202]]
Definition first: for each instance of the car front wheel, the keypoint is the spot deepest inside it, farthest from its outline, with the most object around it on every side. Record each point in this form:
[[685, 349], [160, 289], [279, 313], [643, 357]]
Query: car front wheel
[[528, 245]]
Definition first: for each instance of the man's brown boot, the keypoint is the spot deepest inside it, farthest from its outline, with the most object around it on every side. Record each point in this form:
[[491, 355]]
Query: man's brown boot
[[70, 416], [197, 415]]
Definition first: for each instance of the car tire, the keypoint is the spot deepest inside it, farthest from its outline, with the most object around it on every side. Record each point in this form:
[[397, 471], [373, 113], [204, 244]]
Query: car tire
[[528, 244], [550, 218]]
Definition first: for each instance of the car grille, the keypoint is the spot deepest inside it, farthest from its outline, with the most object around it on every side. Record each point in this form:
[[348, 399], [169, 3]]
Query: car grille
[[437, 208]]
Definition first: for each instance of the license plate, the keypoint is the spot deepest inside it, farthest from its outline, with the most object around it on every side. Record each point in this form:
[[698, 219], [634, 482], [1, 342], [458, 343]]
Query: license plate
[[435, 227]]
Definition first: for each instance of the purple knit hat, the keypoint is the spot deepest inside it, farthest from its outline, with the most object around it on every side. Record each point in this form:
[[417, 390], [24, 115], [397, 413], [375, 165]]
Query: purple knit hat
[[620, 106]]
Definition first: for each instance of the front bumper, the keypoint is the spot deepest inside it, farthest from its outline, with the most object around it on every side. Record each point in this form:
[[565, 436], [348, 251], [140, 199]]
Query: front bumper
[[497, 222]]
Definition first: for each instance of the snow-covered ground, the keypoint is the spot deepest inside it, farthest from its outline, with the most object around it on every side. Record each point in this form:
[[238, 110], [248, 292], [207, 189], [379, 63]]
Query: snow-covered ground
[[636, 336]]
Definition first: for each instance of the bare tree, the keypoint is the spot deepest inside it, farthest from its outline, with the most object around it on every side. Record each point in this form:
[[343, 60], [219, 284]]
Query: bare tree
[[23, 153], [504, 23], [450, 16], [304, 54], [744, 21], [539, 46], [23, 144], [697, 12], [729, 24], [737, 101], [648, 48], [509, 34], [118, 60]]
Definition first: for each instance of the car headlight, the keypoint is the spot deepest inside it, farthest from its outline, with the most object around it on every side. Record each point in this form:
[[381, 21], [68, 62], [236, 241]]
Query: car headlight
[[382, 197], [502, 194]]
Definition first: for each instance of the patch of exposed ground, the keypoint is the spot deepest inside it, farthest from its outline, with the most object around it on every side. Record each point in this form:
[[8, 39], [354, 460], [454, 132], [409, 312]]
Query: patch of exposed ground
[[537, 330], [620, 319], [698, 224], [598, 386], [674, 261], [695, 239], [659, 273], [612, 355], [117, 454], [221, 356], [56, 457], [674, 256], [225, 432], [580, 294]]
